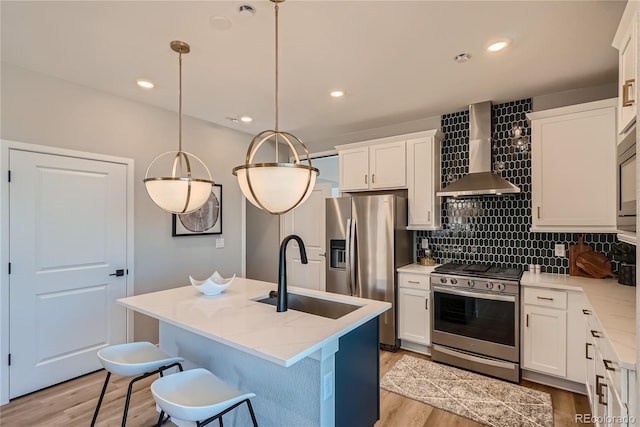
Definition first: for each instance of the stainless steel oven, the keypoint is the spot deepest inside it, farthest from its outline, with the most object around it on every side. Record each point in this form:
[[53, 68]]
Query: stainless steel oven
[[476, 319], [626, 194]]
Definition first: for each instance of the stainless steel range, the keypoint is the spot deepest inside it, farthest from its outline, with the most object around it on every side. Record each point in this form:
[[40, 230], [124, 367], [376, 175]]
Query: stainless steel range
[[476, 318]]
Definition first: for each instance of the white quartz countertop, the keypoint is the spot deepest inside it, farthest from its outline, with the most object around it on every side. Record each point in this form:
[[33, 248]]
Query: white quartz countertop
[[416, 268], [234, 318], [613, 304]]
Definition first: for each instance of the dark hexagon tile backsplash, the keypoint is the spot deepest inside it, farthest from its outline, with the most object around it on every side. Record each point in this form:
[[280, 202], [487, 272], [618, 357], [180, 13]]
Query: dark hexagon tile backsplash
[[495, 229]]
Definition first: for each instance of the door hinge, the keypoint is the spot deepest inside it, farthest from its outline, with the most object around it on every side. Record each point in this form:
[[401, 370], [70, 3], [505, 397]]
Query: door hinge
[[9, 268], [9, 175], [9, 359]]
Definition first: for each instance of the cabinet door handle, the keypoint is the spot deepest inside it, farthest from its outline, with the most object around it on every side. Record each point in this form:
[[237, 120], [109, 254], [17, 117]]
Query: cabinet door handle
[[428, 215], [426, 303], [626, 100], [538, 212], [601, 394], [366, 181], [596, 334], [373, 178], [608, 365], [586, 351], [545, 298], [587, 312], [413, 281], [527, 322], [598, 384]]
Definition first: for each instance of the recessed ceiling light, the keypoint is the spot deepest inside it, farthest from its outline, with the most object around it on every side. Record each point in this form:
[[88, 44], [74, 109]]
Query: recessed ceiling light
[[496, 46], [246, 119], [338, 93], [145, 84]]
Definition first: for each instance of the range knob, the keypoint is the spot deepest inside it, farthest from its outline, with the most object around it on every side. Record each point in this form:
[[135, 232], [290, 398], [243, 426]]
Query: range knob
[[489, 285], [443, 280], [471, 283], [454, 281], [501, 286]]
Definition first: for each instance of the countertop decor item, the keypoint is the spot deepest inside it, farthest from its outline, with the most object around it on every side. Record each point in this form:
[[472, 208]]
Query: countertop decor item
[[214, 285], [574, 252], [276, 187], [454, 390], [188, 186], [625, 254], [595, 264]]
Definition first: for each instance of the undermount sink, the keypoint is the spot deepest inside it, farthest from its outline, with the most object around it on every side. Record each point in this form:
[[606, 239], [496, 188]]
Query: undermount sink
[[311, 305]]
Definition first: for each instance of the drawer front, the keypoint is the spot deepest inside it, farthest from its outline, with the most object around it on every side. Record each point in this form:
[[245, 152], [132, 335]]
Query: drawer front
[[417, 281], [545, 298]]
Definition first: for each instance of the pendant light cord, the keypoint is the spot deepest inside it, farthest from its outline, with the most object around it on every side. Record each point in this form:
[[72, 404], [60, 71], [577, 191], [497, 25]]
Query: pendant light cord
[[277, 87], [180, 102]]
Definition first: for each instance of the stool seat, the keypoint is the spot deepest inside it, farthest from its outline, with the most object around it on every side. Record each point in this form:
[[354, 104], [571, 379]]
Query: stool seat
[[196, 395], [139, 359], [134, 358]]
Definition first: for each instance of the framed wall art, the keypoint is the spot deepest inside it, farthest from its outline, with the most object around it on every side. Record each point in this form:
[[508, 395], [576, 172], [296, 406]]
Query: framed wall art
[[206, 220]]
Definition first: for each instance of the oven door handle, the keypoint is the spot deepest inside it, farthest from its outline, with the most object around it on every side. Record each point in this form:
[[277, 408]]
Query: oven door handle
[[476, 359], [483, 295]]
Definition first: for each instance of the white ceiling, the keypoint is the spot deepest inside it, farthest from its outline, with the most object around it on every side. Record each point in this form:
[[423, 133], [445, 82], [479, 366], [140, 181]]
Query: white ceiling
[[394, 58]]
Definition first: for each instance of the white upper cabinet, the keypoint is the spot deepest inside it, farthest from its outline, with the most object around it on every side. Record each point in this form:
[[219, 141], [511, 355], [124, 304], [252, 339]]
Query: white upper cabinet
[[423, 181], [573, 156], [372, 165], [625, 42]]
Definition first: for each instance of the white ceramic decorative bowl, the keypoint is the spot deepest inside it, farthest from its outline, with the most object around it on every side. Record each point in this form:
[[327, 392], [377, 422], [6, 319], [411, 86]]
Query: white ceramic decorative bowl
[[214, 285]]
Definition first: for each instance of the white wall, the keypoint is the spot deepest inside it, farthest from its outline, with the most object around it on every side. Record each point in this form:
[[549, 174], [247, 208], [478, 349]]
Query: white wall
[[39, 109]]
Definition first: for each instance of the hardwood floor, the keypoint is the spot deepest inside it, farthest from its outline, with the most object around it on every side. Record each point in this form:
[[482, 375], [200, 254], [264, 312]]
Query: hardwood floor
[[72, 404]]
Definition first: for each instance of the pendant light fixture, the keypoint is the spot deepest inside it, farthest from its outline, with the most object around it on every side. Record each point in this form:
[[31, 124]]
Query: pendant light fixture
[[276, 187], [189, 186]]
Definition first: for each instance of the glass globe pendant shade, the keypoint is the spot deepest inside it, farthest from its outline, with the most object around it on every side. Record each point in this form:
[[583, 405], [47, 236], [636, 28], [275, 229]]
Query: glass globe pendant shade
[[179, 192], [276, 187]]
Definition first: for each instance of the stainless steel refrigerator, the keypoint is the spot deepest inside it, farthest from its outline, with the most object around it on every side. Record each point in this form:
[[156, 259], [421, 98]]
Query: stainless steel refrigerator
[[367, 241]]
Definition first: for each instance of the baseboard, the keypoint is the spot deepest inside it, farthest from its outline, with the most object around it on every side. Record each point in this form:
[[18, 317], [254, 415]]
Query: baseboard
[[551, 381], [416, 348]]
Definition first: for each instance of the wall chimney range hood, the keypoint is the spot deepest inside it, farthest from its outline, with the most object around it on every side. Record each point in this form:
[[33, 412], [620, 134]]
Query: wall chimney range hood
[[480, 180]]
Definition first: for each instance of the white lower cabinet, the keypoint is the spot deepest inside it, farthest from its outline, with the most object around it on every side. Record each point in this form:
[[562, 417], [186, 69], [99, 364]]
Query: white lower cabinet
[[610, 387], [414, 314], [553, 333], [545, 332]]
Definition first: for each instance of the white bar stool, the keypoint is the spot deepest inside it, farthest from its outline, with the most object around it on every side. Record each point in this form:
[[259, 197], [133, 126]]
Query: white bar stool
[[137, 358], [197, 397]]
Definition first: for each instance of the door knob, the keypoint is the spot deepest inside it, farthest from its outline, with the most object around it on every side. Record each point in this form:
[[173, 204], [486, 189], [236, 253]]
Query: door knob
[[118, 273]]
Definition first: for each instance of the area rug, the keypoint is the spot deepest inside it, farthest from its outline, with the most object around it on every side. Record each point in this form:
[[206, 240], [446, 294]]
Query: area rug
[[482, 399]]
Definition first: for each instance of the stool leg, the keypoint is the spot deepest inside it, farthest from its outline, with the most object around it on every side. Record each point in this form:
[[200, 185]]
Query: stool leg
[[104, 389], [141, 377], [160, 419], [253, 416], [220, 421]]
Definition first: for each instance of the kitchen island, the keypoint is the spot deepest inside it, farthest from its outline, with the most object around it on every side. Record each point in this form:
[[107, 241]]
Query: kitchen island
[[306, 370]]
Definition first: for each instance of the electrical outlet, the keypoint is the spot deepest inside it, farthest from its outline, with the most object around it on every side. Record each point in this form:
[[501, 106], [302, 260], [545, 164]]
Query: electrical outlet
[[328, 385], [219, 243], [424, 244], [560, 250]]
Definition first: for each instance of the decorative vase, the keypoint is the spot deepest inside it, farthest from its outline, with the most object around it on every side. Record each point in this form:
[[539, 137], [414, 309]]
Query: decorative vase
[[627, 274]]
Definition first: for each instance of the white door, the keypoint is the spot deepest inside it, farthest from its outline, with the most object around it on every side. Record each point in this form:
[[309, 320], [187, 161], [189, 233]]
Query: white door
[[308, 222], [68, 233]]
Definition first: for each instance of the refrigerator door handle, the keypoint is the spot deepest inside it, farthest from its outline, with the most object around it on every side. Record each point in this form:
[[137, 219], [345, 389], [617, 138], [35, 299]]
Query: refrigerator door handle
[[354, 277], [348, 265]]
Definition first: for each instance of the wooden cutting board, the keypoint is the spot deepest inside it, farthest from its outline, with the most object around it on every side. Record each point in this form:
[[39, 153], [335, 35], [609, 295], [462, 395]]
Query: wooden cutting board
[[595, 264], [574, 252]]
